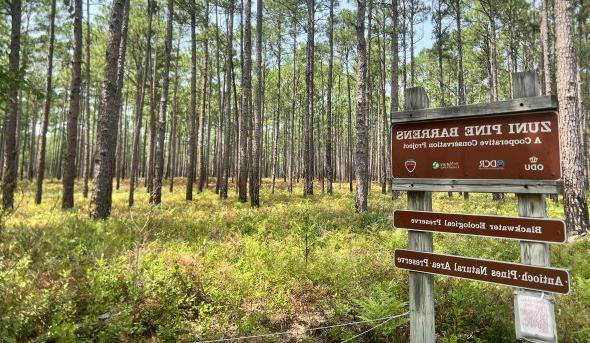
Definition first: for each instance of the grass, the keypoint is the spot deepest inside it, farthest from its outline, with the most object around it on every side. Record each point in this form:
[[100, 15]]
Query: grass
[[206, 269]]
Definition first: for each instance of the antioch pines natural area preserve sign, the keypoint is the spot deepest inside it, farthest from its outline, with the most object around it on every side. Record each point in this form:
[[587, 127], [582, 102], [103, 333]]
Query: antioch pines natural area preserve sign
[[495, 147], [511, 274]]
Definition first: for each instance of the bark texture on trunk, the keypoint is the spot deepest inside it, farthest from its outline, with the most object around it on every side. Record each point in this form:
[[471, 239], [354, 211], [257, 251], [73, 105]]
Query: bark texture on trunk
[[135, 154], [308, 158], [329, 164], [362, 144], [546, 42], [11, 119], [570, 119], [107, 121], [204, 155], [47, 109], [192, 140], [257, 137], [161, 124], [245, 113], [225, 168], [69, 170]]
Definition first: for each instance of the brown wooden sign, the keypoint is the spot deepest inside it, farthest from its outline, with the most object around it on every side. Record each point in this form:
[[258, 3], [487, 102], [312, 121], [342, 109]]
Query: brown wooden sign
[[516, 146], [528, 229], [510, 274]]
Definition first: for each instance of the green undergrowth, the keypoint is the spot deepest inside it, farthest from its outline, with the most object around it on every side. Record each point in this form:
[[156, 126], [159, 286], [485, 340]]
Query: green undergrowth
[[207, 269]]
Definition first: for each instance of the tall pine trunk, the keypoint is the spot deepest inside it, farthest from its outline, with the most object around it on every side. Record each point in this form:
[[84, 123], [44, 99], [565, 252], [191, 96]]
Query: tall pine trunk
[[191, 118], [46, 111], [106, 131], [329, 164], [161, 124], [308, 158], [226, 121], [245, 113], [257, 135], [361, 148], [86, 170], [546, 46], [205, 125], [10, 121], [135, 154], [69, 171], [570, 119], [291, 166]]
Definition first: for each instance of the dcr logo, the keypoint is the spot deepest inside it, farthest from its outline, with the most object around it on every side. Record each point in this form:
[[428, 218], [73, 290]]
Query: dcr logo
[[491, 164], [534, 165]]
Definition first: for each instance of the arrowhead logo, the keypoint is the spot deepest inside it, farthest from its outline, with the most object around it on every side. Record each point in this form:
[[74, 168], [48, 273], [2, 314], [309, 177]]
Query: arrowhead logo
[[410, 165]]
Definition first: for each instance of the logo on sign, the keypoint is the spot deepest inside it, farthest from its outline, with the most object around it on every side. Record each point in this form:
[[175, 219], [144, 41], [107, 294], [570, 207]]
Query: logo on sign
[[491, 164], [410, 165], [534, 164], [435, 165]]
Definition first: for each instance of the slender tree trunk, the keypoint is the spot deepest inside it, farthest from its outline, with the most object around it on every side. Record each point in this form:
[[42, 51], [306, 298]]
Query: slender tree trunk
[[394, 65], [460, 73], [329, 164], [32, 148], [153, 101], [10, 121], [308, 157], [161, 124], [293, 102], [141, 85], [439, 51], [546, 41], [257, 136], [494, 61], [384, 131], [69, 171], [192, 140], [570, 119], [411, 31], [349, 138], [173, 133], [87, 106], [205, 125], [245, 113], [225, 167], [275, 144], [100, 206], [362, 149], [47, 109]]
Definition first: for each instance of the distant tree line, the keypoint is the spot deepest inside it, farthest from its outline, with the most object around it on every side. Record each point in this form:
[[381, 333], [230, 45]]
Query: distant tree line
[[153, 90]]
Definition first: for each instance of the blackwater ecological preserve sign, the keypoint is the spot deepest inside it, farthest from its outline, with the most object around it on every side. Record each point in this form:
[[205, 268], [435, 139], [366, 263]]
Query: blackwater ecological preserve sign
[[528, 229], [491, 147]]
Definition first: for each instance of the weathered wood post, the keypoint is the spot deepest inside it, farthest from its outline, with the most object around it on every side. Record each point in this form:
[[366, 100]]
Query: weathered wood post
[[524, 85], [421, 284]]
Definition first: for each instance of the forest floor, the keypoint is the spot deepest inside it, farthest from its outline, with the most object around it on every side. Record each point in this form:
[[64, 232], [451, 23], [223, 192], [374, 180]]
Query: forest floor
[[207, 269]]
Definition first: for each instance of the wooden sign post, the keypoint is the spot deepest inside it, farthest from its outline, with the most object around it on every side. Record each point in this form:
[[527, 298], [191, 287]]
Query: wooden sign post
[[510, 146], [421, 284], [526, 84]]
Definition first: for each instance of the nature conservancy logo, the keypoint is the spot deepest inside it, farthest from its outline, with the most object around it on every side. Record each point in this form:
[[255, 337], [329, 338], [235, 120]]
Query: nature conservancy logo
[[445, 165], [410, 165]]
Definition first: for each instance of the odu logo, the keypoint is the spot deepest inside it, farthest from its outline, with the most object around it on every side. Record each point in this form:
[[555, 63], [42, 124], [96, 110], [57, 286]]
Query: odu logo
[[533, 165], [491, 164]]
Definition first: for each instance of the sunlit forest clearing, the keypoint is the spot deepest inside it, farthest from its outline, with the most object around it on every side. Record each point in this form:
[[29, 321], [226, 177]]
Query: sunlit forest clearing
[[231, 170], [207, 269]]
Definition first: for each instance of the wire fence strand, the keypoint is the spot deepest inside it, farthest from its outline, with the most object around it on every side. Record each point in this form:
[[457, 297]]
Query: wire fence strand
[[383, 321]]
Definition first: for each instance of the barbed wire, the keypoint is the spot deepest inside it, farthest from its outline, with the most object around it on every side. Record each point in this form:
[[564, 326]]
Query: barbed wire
[[383, 321]]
